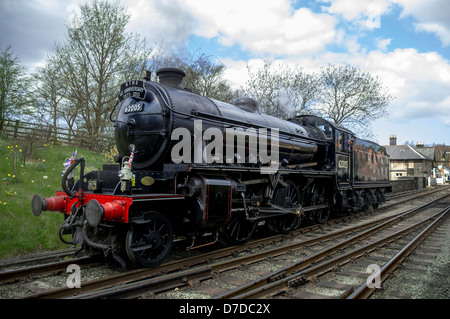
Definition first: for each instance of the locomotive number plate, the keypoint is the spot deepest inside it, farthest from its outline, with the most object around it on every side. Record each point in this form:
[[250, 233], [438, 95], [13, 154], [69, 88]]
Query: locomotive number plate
[[139, 107], [343, 164]]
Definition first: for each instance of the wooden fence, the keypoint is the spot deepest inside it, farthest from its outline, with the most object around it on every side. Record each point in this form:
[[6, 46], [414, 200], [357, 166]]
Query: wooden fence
[[43, 132]]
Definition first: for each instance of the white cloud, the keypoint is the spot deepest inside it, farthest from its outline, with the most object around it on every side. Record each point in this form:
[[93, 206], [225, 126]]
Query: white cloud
[[447, 121], [419, 81], [382, 44], [259, 26], [161, 21], [438, 29], [432, 15], [364, 13], [235, 72]]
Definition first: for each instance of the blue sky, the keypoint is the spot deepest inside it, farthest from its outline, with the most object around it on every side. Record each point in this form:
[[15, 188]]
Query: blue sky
[[406, 43]]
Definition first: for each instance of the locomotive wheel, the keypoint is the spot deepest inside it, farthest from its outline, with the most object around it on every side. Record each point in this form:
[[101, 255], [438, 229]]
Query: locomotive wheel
[[322, 215], [319, 198], [287, 197], [149, 242], [239, 230]]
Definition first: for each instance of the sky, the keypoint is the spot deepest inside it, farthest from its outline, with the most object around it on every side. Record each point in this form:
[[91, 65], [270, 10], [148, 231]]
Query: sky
[[405, 43]]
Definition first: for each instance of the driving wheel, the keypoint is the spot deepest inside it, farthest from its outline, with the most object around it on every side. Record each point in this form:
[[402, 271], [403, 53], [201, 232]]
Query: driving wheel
[[149, 241], [287, 197], [319, 198], [239, 230]]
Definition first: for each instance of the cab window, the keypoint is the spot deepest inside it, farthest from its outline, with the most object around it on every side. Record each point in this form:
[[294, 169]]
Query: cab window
[[325, 129], [342, 144]]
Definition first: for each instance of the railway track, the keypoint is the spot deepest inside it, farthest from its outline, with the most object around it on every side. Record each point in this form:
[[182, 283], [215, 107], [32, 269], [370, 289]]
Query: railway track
[[207, 267], [51, 267], [37, 259], [307, 273]]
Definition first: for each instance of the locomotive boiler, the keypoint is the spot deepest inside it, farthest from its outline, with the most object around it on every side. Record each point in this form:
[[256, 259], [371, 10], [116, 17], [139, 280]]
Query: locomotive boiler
[[199, 169]]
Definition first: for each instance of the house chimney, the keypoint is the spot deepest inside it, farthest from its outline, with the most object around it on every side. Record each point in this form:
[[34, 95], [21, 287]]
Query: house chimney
[[393, 140], [419, 144], [171, 77]]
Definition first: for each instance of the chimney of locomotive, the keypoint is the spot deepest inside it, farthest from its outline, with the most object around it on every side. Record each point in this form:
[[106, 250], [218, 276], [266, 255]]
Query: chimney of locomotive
[[171, 77]]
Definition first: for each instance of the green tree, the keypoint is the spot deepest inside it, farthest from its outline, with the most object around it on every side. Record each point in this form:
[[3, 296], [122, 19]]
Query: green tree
[[14, 87], [96, 57], [49, 90]]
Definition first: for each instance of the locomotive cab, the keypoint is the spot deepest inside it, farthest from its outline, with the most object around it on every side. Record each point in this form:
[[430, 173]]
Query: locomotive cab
[[323, 131]]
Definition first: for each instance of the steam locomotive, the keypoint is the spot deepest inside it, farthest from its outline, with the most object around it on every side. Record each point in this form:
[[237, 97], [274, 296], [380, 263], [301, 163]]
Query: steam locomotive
[[192, 167]]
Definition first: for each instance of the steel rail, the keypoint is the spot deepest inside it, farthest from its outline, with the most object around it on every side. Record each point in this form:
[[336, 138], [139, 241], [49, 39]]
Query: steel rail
[[279, 281], [364, 291], [38, 258], [149, 286], [15, 274], [307, 261]]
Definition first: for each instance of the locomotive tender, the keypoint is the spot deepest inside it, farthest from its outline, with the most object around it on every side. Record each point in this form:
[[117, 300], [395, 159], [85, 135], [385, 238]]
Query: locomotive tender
[[191, 166]]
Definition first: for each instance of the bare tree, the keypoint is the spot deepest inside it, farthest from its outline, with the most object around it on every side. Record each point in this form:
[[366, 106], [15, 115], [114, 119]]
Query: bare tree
[[352, 98], [282, 91], [203, 76], [306, 89], [96, 57]]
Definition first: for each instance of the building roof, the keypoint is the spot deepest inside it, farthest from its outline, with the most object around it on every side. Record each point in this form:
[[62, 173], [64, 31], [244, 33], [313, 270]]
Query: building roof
[[407, 152], [426, 151]]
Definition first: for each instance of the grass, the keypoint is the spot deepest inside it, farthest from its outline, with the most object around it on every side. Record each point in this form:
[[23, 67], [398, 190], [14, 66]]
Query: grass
[[21, 176]]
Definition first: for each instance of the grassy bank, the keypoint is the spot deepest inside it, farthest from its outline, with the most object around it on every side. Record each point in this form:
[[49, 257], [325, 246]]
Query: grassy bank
[[23, 174]]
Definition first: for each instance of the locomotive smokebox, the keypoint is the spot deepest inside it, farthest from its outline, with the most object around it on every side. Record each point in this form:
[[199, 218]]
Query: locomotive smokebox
[[171, 76]]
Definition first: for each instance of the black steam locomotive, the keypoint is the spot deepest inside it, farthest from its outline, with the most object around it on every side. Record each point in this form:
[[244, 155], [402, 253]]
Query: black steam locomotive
[[192, 167]]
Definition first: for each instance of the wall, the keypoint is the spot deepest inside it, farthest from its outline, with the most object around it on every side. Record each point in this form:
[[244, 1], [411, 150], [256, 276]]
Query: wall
[[408, 183]]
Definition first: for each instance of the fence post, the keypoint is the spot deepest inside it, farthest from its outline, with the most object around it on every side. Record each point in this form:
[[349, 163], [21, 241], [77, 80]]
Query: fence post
[[16, 129]]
